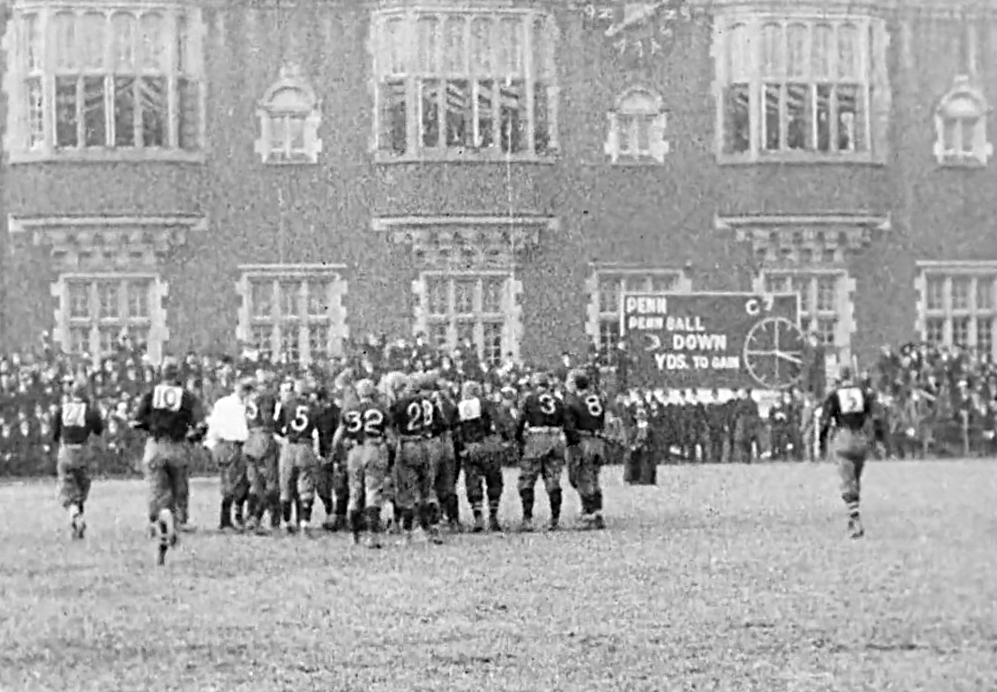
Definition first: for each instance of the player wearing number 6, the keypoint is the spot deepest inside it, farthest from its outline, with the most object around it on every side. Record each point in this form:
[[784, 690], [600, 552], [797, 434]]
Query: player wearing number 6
[[585, 418], [73, 424], [848, 407], [363, 430]]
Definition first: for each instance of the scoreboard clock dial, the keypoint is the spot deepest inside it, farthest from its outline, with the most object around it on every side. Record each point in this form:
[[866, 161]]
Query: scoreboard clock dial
[[773, 353], [641, 29]]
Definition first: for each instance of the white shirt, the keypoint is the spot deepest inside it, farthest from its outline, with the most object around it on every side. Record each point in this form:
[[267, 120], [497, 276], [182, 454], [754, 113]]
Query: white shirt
[[227, 422]]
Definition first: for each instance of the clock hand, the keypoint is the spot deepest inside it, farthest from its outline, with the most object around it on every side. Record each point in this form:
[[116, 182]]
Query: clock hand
[[786, 356]]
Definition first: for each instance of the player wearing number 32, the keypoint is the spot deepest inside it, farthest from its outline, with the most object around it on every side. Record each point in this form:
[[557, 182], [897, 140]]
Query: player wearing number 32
[[848, 407], [363, 431], [73, 424], [540, 434], [298, 463], [168, 413], [585, 418]]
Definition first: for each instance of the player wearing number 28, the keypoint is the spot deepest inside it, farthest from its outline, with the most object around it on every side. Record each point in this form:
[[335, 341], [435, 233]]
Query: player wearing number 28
[[74, 422], [585, 418], [228, 432], [417, 460], [298, 462], [363, 431], [540, 435], [168, 413], [849, 408]]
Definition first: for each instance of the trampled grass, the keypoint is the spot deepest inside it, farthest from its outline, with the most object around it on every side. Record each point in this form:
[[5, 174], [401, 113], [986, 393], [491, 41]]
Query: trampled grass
[[720, 578]]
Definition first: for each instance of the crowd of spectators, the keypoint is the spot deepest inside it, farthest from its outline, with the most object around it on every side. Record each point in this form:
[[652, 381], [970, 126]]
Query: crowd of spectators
[[934, 400]]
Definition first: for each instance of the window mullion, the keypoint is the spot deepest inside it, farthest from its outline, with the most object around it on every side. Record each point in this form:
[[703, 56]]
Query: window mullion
[[529, 78], [171, 32], [494, 36], [756, 101], [451, 313]]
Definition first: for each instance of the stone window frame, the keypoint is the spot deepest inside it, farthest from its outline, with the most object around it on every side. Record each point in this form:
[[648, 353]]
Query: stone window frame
[[334, 318], [305, 113], [961, 126], [30, 84], [637, 108], [941, 317]]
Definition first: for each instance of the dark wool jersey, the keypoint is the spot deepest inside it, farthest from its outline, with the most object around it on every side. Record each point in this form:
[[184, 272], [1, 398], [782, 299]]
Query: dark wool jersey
[[260, 411], [366, 420], [75, 421], [540, 410], [849, 407], [167, 412], [298, 420], [446, 417], [328, 420], [585, 411], [413, 414], [476, 420]]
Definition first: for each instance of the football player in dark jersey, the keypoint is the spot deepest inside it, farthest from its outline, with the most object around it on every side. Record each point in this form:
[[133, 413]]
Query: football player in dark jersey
[[330, 470], [168, 413], [848, 408], [72, 425], [540, 436], [481, 454], [446, 471], [585, 419], [365, 433], [260, 452], [298, 460]]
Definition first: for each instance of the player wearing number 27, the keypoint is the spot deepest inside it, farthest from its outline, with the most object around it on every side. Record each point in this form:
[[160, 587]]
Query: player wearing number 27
[[168, 413], [298, 463], [363, 430], [585, 418], [848, 407], [74, 422], [540, 435]]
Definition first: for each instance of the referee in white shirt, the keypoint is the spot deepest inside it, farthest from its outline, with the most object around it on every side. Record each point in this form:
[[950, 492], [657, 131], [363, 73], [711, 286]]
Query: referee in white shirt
[[228, 430]]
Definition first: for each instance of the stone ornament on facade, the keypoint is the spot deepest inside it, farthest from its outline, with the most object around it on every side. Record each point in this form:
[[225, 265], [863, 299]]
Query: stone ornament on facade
[[636, 128], [290, 115], [961, 126], [638, 30]]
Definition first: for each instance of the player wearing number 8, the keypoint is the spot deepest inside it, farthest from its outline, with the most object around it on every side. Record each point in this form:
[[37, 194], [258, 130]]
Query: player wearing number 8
[[585, 418], [848, 408], [73, 424]]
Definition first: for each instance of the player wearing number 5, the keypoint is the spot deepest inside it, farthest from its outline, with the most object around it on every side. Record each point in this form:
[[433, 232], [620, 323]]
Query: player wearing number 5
[[585, 418], [298, 463], [848, 407], [363, 431], [73, 424], [540, 435], [168, 413]]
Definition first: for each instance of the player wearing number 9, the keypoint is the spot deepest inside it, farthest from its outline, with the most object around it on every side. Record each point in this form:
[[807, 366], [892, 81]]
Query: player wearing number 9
[[848, 408], [298, 462], [73, 424], [540, 435], [585, 418], [168, 413]]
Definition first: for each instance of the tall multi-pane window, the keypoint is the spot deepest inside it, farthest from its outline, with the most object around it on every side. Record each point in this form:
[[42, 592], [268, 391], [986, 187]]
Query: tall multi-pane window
[[799, 87], [97, 310], [458, 84], [291, 316], [958, 308], [821, 300], [468, 308], [116, 79], [612, 286]]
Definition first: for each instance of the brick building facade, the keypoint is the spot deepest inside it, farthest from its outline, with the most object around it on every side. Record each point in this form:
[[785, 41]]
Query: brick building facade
[[286, 175]]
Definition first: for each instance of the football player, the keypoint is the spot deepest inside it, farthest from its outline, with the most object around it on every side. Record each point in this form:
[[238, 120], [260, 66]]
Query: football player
[[412, 416], [261, 453], [298, 461], [72, 425], [540, 437], [481, 454], [441, 437], [585, 419], [848, 408]]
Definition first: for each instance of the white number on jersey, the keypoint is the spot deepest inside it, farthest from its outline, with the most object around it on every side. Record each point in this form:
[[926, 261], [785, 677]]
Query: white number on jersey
[[167, 398], [548, 406], [469, 409], [371, 422], [594, 406], [251, 411], [300, 421], [420, 415], [74, 415], [851, 400]]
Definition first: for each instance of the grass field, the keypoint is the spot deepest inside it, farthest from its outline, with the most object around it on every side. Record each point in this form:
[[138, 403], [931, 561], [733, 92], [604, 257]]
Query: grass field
[[720, 578]]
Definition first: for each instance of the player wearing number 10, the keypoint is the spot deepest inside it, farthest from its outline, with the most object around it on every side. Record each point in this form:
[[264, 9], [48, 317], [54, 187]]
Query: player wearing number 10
[[74, 421], [585, 418]]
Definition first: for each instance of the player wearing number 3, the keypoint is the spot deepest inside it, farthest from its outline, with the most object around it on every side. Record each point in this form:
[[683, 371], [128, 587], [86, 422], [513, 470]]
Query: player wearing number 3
[[849, 407], [168, 413], [72, 426], [585, 418], [540, 434]]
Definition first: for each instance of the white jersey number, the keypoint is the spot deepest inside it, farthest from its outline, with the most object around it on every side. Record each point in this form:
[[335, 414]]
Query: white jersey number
[[469, 409], [594, 406], [167, 398], [74, 415], [548, 406], [851, 400], [371, 422], [300, 421], [420, 415]]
